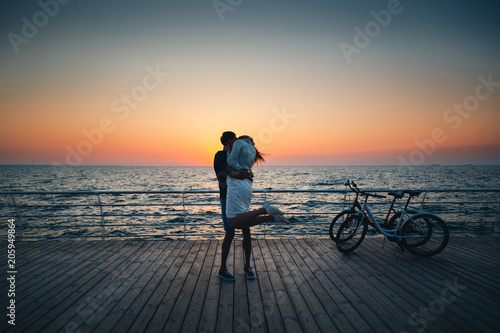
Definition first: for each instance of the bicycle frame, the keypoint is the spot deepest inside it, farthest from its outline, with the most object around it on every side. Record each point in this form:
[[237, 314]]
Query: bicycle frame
[[386, 232], [372, 220], [357, 205]]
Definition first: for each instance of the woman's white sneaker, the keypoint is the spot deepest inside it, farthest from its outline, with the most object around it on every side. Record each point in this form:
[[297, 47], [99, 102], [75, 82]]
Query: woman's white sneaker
[[280, 218], [278, 214], [272, 210]]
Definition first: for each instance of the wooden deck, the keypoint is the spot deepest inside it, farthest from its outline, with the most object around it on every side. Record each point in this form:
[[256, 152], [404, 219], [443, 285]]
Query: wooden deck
[[302, 285]]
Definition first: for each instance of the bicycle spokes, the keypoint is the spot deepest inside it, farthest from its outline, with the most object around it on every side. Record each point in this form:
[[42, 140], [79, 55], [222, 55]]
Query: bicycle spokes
[[351, 233], [425, 234]]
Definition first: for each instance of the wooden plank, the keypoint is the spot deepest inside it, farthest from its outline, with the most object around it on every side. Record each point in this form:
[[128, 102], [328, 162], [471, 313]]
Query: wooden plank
[[469, 303], [65, 292], [174, 286], [35, 265], [269, 304], [476, 306], [48, 267], [208, 320], [137, 297], [240, 296], [156, 302], [194, 312], [225, 311], [304, 314], [320, 285], [391, 290], [49, 292], [412, 283], [122, 294], [350, 291], [289, 316], [422, 289], [336, 288], [255, 302], [486, 299], [484, 271], [67, 319], [139, 314], [176, 318], [371, 292], [420, 293], [294, 264], [167, 304], [93, 303]]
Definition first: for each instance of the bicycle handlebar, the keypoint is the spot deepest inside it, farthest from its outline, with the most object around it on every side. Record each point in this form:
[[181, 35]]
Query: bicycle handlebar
[[352, 185]]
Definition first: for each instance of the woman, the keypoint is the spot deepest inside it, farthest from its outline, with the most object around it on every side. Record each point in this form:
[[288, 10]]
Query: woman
[[239, 191], [239, 194]]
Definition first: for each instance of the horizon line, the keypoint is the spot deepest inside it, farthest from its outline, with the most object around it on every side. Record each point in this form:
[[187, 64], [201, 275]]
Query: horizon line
[[275, 165]]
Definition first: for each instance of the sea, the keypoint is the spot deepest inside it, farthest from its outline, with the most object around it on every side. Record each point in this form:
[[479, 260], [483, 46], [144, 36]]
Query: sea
[[164, 202]]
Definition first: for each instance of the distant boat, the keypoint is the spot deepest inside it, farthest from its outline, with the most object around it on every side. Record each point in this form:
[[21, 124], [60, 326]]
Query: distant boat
[[437, 164]]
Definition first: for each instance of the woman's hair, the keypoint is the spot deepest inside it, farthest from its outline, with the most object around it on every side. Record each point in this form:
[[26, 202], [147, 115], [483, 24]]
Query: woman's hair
[[259, 157]]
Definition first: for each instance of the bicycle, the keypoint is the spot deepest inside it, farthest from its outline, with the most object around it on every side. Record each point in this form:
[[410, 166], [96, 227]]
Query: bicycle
[[356, 207], [422, 234]]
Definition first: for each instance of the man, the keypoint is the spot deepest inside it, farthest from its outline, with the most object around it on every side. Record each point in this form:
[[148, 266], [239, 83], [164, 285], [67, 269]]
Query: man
[[222, 170]]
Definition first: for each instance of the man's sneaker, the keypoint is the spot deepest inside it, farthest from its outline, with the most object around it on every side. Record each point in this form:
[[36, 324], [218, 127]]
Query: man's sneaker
[[248, 272], [226, 276], [272, 210]]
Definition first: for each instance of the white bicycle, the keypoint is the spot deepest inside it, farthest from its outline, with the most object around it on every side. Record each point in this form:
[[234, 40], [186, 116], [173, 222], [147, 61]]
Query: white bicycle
[[423, 234]]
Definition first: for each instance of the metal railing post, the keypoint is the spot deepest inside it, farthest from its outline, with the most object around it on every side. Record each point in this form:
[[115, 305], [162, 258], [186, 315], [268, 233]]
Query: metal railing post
[[265, 224], [496, 225], [103, 226], [423, 201], [18, 217], [184, 213]]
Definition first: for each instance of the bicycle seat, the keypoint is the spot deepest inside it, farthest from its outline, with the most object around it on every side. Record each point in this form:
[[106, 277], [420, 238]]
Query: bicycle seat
[[412, 193], [397, 195]]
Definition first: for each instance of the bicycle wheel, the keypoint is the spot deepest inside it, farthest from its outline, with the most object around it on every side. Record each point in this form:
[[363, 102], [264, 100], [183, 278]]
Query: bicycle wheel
[[425, 234], [337, 222], [351, 233]]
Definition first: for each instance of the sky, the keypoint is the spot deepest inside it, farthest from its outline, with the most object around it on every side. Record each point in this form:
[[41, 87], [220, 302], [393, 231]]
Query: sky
[[345, 82]]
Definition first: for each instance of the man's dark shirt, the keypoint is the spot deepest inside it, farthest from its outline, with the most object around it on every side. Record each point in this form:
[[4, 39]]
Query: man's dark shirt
[[221, 170]]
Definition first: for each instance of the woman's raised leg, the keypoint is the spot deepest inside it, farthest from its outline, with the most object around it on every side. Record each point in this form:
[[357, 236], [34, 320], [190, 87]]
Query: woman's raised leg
[[249, 219]]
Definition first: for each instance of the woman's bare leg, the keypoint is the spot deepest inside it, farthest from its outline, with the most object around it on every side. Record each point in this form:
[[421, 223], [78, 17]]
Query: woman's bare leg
[[249, 219], [226, 246], [247, 245]]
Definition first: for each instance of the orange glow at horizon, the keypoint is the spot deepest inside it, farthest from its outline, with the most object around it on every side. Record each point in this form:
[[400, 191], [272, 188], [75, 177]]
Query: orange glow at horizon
[[175, 138], [359, 123]]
